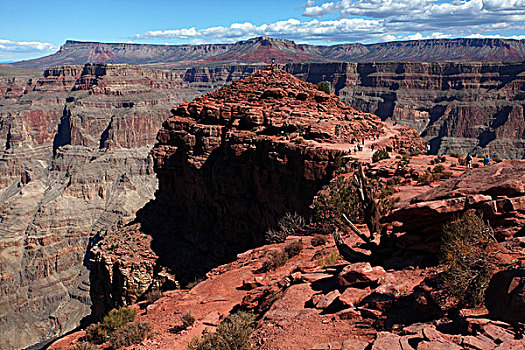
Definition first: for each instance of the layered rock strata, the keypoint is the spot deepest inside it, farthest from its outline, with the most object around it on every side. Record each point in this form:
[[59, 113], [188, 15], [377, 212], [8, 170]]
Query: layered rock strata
[[475, 107], [234, 161], [74, 163]]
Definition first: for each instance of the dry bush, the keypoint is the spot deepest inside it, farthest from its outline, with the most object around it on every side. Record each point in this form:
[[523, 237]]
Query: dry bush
[[288, 225], [330, 260], [274, 259], [438, 168], [232, 334], [293, 248], [380, 155], [318, 240], [130, 333], [153, 295], [464, 253], [187, 320], [425, 178]]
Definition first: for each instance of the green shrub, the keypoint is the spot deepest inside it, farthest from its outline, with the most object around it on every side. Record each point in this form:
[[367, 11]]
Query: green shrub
[[129, 334], [98, 333], [324, 86], [425, 178], [274, 259], [438, 169], [338, 198], [455, 155], [187, 320], [379, 155], [293, 248], [318, 240], [117, 318], [464, 253], [84, 346], [475, 165], [288, 225], [497, 160], [330, 260], [232, 334]]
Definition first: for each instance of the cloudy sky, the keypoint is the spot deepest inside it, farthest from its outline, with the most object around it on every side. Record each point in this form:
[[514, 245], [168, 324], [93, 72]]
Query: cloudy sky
[[35, 28]]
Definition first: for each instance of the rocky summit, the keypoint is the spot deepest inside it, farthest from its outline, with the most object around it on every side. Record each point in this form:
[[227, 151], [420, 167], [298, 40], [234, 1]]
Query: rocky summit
[[230, 164]]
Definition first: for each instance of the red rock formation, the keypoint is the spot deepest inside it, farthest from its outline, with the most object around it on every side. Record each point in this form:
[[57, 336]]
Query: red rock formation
[[234, 161]]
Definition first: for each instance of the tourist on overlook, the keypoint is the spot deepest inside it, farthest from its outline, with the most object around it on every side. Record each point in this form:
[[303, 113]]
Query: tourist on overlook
[[469, 161]]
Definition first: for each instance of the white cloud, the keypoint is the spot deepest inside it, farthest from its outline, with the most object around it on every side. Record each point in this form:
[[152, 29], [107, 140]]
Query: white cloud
[[371, 21], [16, 50], [457, 17], [25, 46], [346, 29]]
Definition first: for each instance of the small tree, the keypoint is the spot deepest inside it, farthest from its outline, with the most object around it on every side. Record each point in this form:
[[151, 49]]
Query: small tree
[[464, 253], [379, 155]]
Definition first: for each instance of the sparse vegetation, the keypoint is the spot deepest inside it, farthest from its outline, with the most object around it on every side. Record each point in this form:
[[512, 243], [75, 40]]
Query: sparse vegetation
[[464, 253], [274, 259], [289, 224], [324, 86], [130, 333], [318, 240], [379, 155], [330, 260], [293, 248], [438, 169], [425, 178], [338, 198], [100, 332], [456, 155], [153, 295], [232, 334], [187, 320]]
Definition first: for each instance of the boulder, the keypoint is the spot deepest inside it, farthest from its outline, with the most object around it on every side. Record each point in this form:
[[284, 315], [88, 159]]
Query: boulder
[[505, 296]]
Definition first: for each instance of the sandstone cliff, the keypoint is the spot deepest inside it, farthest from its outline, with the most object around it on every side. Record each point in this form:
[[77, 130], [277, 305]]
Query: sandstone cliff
[[74, 162]]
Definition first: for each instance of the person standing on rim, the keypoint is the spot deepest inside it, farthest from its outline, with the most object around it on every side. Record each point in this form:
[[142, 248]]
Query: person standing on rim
[[469, 161]]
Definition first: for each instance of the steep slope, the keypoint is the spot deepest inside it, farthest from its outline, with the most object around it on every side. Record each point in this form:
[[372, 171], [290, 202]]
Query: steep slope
[[74, 163], [264, 49], [230, 164]]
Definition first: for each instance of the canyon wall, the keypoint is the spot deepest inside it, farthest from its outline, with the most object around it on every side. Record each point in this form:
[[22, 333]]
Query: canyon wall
[[474, 107], [264, 50], [74, 160], [75, 143]]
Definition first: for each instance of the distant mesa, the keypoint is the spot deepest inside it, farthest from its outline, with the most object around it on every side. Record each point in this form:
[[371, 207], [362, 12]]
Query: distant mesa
[[263, 49]]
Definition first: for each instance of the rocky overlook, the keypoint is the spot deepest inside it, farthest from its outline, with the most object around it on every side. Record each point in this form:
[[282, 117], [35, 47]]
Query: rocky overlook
[[230, 164], [264, 49]]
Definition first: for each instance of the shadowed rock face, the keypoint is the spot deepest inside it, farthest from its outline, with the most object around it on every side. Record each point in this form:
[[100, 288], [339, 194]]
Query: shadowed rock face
[[230, 164], [74, 162]]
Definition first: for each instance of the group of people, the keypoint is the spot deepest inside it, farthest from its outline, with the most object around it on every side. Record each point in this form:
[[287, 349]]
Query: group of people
[[486, 160]]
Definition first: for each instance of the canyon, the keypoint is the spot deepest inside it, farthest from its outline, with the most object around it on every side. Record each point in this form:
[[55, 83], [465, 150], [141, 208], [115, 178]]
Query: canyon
[[76, 162]]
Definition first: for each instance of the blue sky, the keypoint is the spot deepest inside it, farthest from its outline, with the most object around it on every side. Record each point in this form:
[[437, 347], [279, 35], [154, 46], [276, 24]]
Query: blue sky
[[35, 28]]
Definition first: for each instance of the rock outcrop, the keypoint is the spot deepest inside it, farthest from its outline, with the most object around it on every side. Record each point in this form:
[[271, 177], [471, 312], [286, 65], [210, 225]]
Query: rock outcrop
[[234, 161], [74, 163], [496, 191]]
